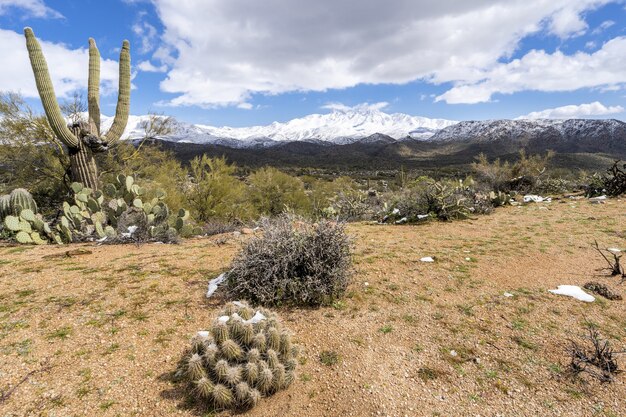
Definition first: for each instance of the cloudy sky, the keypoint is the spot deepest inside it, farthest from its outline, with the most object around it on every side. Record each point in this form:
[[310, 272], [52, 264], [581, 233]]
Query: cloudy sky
[[248, 62]]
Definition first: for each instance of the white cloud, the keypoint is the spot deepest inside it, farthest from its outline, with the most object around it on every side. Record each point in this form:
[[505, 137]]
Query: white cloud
[[575, 111], [359, 107], [222, 52], [540, 71], [148, 66], [568, 22], [146, 33], [34, 8], [603, 26], [68, 67]]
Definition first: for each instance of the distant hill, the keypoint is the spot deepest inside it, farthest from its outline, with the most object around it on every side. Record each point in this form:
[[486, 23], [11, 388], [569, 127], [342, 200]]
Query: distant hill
[[579, 143]]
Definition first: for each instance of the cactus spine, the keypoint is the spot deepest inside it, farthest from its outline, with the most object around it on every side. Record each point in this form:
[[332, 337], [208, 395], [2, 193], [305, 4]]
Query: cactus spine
[[225, 367], [82, 140]]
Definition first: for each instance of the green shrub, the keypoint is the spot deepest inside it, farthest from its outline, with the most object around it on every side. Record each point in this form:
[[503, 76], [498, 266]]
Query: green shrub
[[340, 199], [443, 200], [243, 356], [273, 192], [521, 175], [214, 193], [294, 262]]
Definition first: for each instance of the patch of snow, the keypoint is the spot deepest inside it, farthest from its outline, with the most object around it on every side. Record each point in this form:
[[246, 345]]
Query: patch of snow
[[614, 250], [223, 319], [257, 318], [531, 198], [214, 283], [573, 291], [427, 259], [422, 216], [508, 294], [402, 220], [203, 334], [600, 198], [395, 211], [239, 304], [131, 230]]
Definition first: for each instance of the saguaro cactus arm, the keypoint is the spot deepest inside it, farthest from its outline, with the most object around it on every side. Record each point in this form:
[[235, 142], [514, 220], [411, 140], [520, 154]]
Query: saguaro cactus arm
[[46, 91], [93, 88], [123, 98]]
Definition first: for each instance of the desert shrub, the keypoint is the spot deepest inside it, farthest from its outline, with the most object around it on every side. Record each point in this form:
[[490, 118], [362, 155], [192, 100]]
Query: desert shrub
[[595, 358], [341, 199], [293, 262], [553, 186], [243, 356], [612, 183], [30, 155], [273, 192], [443, 200], [214, 193], [156, 169], [521, 175], [217, 227]]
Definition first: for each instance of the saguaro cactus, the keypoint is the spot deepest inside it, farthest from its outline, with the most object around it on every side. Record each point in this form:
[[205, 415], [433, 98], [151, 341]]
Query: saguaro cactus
[[82, 139]]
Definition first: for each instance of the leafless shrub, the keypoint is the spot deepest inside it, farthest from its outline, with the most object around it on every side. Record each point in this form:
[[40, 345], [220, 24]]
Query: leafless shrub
[[614, 265], [217, 227], [596, 358], [294, 262]]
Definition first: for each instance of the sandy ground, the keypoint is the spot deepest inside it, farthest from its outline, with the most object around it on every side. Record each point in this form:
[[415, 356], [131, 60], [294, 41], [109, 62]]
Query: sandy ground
[[100, 333]]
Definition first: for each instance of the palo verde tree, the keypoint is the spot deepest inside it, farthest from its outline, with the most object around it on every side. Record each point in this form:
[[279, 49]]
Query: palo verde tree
[[82, 139]]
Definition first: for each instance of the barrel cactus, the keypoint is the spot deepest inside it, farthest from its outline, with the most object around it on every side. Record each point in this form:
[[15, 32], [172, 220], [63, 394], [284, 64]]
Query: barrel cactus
[[21, 222], [245, 355], [82, 139]]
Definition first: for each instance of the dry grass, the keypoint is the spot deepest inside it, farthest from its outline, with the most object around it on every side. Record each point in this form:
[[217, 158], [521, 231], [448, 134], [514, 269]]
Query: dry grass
[[110, 325]]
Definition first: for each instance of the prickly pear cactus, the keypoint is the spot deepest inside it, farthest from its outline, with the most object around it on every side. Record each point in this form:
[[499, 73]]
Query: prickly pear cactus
[[120, 210], [245, 355], [499, 199]]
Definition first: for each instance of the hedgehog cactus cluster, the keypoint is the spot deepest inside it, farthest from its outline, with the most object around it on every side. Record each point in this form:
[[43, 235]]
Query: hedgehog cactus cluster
[[18, 212], [244, 356]]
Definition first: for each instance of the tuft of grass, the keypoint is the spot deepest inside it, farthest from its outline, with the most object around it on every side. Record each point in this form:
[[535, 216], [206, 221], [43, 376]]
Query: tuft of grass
[[387, 328], [61, 333], [428, 374], [329, 357], [526, 344]]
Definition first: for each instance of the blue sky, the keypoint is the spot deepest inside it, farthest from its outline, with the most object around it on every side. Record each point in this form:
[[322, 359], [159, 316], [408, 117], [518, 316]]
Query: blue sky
[[244, 62]]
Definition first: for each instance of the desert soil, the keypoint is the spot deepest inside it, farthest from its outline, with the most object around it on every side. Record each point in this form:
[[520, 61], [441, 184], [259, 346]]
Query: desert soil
[[100, 333]]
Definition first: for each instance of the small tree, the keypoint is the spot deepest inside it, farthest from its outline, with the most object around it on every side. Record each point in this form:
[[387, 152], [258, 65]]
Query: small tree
[[215, 192], [81, 139], [30, 155], [273, 192]]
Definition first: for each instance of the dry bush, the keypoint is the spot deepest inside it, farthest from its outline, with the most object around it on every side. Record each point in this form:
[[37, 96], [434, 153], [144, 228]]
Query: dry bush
[[614, 181], [595, 358], [522, 175], [443, 200], [294, 262]]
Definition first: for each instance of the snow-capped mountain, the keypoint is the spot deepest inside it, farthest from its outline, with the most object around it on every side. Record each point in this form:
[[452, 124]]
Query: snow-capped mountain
[[525, 129], [337, 127], [342, 127]]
